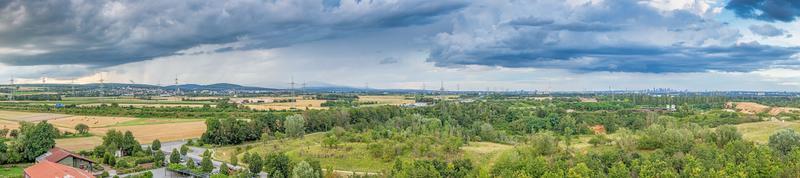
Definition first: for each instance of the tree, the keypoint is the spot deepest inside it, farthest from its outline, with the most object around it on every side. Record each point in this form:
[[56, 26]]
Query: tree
[[224, 169], [579, 171], [175, 156], [156, 145], [295, 125], [277, 163], [234, 160], [14, 133], [330, 141], [304, 170], [36, 139], [727, 134], [82, 128], [784, 140], [619, 170], [159, 159], [190, 164], [184, 150], [255, 163], [206, 164]]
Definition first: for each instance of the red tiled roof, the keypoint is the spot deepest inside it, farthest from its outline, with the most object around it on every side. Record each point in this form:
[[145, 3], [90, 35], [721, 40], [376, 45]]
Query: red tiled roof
[[47, 169], [57, 154]]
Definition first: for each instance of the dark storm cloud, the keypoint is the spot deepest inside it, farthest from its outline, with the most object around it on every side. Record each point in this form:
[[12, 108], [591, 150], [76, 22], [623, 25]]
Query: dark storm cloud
[[105, 33], [766, 30], [767, 10], [644, 59], [617, 36]]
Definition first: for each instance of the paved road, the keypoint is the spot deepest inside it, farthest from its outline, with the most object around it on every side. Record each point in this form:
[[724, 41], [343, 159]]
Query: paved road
[[195, 153]]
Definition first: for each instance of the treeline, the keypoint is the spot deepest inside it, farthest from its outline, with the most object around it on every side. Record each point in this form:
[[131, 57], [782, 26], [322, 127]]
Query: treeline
[[34, 97], [497, 121], [141, 112], [671, 150]]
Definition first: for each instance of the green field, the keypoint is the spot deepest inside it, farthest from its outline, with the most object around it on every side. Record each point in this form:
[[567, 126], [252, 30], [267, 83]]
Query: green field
[[12, 170], [353, 156], [759, 132]]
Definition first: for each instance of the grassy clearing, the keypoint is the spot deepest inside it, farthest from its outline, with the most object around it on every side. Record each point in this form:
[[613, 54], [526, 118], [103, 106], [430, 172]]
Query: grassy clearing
[[759, 132], [13, 170], [351, 156]]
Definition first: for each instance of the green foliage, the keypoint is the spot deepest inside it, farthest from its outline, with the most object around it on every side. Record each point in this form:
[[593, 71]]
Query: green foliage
[[234, 160], [599, 140], [36, 139], [117, 141], [224, 169], [579, 171], [726, 134], [277, 164], [784, 140], [619, 170], [184, 150], [159, 158], [156, 145], [330, 141], [206, 165], [175, 156], [295, 126], [255, 163], [304, 170], [231, 131], [82, 128]]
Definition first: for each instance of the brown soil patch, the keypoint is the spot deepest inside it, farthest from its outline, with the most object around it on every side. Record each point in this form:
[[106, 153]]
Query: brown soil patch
[[755, 108]]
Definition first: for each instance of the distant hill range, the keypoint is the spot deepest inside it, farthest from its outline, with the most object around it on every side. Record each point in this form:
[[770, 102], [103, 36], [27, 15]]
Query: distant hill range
[[184, 87], [218, 86]]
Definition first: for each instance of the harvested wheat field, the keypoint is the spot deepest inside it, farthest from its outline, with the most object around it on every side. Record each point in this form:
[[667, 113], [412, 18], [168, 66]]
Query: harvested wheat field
[[4, 124], [300, 104], [145, 105], [79, 144], [163, 132], [390, 100], [29, 117], [91, 121]]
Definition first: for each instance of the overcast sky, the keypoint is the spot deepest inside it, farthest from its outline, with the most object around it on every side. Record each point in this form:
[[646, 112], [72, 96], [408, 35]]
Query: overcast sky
[[570, 45]]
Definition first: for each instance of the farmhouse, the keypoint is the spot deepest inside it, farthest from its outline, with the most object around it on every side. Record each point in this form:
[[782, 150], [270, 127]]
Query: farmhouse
[[64, 157], [47, 169]]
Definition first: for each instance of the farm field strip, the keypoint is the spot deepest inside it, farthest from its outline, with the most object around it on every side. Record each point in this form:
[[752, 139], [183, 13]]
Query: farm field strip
[[164, 132]]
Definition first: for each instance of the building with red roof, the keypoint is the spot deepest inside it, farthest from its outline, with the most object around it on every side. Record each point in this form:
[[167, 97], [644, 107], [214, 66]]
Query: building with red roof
[[67, 158], [47, 169]]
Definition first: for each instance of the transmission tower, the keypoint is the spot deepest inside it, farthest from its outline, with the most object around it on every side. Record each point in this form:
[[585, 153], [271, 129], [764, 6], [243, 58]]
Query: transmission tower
[[102, 85], [13, 88], [292, 83], [177, 87]]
